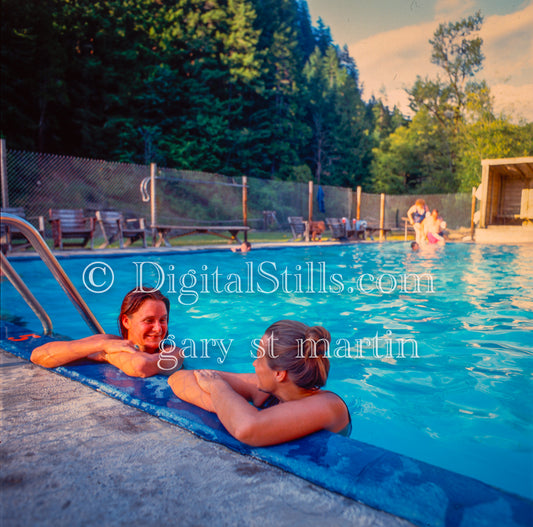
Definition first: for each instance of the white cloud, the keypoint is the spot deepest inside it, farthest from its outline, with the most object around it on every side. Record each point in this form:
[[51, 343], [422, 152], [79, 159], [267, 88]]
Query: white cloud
[[391, 60], [513, 101], [508, 47], [446, 10]]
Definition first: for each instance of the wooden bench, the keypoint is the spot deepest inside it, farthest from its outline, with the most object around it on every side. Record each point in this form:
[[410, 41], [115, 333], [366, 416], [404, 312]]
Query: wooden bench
[[114, 226], [166, 232], [71, 224]]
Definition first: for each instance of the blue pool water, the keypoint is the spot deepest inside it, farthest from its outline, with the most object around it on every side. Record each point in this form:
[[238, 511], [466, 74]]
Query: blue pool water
[[459, 397]]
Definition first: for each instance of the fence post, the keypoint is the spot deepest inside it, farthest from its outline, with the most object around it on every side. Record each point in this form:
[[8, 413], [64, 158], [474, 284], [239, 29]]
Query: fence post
[[382, 218], [358, 213], [472, 227], [3, 169], [153, 219], [310, 218], [245, 205]]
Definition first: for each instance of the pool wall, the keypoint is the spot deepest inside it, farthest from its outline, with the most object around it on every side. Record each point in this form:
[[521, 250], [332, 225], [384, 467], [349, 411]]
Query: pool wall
[[421, 493]]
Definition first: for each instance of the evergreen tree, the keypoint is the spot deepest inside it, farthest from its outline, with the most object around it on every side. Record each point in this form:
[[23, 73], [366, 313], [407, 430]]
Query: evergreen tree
[[33, 63], [276, 115], [323, 37], [340, 148], [215, 86]]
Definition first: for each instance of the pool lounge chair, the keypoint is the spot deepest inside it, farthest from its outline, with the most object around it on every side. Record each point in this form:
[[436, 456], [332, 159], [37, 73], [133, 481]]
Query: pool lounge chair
[[114, 226], [71, 224], [338, 228], [10, 235], [299, 228]]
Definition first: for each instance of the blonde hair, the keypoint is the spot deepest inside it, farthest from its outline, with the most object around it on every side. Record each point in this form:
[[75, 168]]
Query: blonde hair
[[420, 203], [301, 351]]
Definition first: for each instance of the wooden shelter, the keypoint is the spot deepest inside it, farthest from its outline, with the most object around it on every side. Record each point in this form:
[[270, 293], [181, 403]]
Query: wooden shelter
[[506, 194], [506, 191]]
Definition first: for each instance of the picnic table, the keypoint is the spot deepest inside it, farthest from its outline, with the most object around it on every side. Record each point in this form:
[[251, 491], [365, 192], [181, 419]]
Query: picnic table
[[166, 232]]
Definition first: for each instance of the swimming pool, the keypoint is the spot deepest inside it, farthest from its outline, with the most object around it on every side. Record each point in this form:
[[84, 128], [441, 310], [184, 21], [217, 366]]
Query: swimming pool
[[458, 395]]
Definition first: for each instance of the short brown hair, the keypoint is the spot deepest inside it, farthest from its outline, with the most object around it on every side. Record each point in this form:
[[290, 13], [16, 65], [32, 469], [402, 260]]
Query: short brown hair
[[301, 351], [132, 303]]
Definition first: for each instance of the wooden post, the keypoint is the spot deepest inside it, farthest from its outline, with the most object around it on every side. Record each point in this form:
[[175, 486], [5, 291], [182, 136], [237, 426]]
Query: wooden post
[[3, 175], [485, 209], [358, 213], [245, 205], [310, 215], [153, 219], [472, 227], [382, 218]]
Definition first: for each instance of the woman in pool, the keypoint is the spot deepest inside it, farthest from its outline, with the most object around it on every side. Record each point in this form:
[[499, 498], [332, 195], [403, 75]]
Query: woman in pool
[[143, 323], [433, 227], [416, 215], [290, 369]]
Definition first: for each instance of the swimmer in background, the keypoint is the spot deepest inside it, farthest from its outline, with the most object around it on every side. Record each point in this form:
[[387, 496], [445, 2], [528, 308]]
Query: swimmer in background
[[244, 248], [143, 323], [415, 247], [286, 392], [433, 227], [416, 215]]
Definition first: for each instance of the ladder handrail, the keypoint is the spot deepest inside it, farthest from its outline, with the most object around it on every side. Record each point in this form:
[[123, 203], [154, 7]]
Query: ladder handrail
[[55, 268], [26, 294]]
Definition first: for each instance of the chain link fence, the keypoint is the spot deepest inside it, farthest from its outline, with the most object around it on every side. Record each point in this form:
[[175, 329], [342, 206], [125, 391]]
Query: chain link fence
[[38, 182]]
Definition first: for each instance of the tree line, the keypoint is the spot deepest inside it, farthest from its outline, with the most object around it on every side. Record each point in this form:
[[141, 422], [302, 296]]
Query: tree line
[[240, 87]]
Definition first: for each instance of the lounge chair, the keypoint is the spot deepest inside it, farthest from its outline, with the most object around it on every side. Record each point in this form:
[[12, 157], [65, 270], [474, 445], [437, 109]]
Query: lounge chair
[[360, 228], [299, 227], [337, 227], [114, 226], [71, 224], [11, 235]]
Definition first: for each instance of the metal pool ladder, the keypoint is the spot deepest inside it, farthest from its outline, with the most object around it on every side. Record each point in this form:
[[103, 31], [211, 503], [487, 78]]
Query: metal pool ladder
[[37, 242]]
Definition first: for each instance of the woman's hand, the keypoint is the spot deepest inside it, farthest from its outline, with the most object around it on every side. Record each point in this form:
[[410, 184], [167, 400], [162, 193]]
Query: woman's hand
[[120, 346], [113, 346], [206, 379]]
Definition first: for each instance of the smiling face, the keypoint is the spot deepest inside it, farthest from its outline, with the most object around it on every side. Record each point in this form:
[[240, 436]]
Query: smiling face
[[148, 326]]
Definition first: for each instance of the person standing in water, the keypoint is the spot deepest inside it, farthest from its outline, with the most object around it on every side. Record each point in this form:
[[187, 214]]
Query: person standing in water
[[416, 215]]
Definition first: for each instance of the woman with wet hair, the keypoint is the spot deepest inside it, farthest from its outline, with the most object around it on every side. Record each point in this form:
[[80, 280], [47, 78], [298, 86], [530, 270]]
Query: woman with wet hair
[[143, 324], [286, 392]]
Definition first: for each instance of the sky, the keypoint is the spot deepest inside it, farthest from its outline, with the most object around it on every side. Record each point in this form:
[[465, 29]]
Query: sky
[[389, 41]]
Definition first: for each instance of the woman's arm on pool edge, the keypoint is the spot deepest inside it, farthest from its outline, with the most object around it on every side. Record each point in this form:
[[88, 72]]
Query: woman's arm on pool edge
[[57, 353], [278, 424], [108, 348], [186, 387], [141, 364]]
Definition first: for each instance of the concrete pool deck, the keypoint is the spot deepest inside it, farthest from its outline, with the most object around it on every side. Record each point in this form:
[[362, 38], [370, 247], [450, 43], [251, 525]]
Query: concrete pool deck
[[73, 456]]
